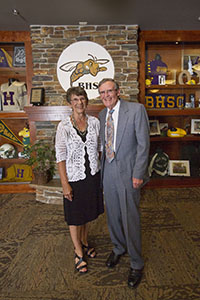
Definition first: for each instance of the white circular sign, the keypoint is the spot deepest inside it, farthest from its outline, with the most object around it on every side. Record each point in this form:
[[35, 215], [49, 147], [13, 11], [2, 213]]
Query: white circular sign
[[84, 64]]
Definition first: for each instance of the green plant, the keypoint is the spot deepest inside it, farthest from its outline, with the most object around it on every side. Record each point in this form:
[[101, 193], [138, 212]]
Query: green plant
[[41, 157]]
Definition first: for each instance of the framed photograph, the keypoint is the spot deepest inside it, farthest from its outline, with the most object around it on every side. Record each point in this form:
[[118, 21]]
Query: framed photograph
[[163, 129], [19, 58], [190, 60], [1, 173], [37, 96], [195, 126], [179, 168], [171, 76], [154, 127]]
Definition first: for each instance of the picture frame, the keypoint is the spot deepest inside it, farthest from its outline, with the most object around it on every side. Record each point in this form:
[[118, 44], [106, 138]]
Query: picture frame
[[37, 96], [195, 126], [19, 57], [154, 127], [193, 58], [1, 173], [179, 168], [163, 128]]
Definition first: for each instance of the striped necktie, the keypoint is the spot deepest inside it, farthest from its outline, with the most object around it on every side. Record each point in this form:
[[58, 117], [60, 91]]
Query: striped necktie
[[110, 137]]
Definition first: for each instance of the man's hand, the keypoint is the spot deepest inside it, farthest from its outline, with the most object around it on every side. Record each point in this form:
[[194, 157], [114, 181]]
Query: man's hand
[[137, 182]]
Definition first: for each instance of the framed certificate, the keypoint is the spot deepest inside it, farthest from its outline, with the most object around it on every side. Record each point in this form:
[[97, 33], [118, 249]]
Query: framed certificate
[[37, 96]]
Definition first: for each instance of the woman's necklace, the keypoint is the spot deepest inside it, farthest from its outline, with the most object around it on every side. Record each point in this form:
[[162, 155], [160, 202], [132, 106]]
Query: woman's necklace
[[82, 133]]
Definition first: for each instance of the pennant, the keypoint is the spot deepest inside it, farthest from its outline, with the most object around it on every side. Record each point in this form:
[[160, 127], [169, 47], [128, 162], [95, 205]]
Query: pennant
[[5, 59], [8, 134]]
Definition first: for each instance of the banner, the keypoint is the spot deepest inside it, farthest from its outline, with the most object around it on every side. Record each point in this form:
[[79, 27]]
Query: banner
[[165, 101], [8, 134]]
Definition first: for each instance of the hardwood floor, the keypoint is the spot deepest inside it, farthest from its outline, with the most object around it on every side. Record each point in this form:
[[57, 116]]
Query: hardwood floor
[[36, 253]]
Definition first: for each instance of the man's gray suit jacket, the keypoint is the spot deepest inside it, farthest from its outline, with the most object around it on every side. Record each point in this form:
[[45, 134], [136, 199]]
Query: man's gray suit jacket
[[132, 141]]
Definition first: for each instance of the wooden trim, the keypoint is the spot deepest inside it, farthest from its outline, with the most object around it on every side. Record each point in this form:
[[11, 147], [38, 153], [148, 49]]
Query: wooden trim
[[174, 112], [56, 113], [172, 182], [14, 36], [29, 68], [170, 35], [16, 188], [13, 115], [47, 113], [142, 70]]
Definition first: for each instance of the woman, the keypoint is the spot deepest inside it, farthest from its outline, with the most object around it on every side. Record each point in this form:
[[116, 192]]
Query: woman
[[77, 142]]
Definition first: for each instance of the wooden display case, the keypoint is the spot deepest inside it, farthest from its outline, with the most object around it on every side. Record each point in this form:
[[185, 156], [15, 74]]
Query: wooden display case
[[16, 121], [169, 82], [9, 40]]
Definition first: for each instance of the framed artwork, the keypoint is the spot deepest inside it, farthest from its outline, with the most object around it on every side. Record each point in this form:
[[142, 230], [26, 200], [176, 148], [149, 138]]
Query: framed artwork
[[19, 58], [163, 129], [195, 126], [154, 127], [179, 168], [189, 61]]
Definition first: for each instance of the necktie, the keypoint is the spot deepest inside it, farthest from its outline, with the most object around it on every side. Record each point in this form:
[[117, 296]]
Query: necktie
[[110, 137]]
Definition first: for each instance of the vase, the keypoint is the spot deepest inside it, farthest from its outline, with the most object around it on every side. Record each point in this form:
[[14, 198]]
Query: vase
[[41, 178]]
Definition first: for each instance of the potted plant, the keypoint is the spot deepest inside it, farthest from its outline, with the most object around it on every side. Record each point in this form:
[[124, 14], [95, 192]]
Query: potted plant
[[41, 157]]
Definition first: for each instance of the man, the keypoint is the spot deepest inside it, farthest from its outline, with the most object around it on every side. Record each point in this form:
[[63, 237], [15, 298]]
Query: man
[[123, 173]]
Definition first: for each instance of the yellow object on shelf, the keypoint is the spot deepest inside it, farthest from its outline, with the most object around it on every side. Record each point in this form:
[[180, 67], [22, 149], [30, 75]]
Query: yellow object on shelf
[[175, 132]]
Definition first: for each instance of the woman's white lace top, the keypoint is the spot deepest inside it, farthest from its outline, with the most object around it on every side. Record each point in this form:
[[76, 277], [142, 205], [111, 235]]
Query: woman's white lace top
[[70, 148]]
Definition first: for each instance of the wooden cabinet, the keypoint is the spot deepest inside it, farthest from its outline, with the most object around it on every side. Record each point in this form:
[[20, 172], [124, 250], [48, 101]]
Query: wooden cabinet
[[16, 121], [9, 40], [169, 85]]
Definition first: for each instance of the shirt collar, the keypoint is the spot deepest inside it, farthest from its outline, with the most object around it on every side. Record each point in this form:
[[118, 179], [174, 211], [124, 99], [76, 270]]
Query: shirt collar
[[116, 107]]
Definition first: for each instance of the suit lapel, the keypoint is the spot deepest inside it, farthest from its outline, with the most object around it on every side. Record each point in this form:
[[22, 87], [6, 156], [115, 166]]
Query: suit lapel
[[122, 121]]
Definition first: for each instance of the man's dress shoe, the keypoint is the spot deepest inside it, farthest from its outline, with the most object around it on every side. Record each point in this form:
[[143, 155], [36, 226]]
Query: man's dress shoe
[[112, 260], [134, 277]]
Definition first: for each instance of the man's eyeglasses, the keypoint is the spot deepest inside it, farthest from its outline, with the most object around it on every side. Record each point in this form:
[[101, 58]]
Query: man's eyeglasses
[[102, 93]]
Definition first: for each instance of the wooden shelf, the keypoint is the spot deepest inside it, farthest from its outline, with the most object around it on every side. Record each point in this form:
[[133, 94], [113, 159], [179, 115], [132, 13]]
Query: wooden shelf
[[15, 187], [173, 112], [173, 182], [13, 115], [12, 160], [173, 86], [187, 138], [12, 69], [19, 73]]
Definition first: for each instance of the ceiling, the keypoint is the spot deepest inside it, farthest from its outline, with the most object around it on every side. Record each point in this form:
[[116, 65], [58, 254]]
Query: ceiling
[[148, 14]]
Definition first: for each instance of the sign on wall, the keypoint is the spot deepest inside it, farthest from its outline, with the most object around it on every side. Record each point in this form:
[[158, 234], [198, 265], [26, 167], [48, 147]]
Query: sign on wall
[[84, 64]]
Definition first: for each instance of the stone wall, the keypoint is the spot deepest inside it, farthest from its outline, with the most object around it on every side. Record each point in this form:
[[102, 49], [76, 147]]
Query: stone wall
[[48, 42], [46, 131], [50, 193]]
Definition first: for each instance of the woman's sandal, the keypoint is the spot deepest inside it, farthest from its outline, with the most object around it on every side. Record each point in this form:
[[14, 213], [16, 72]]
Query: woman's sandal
[[89, 251], [77, 265]]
